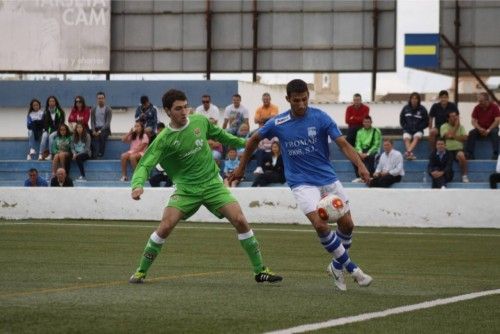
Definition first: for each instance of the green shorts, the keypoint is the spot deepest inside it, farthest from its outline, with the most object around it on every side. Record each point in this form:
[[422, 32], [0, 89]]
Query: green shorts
[[213, 195]]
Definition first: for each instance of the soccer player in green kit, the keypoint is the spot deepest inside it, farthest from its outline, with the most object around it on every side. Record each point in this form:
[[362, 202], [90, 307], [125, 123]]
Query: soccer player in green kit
[[183, 152]]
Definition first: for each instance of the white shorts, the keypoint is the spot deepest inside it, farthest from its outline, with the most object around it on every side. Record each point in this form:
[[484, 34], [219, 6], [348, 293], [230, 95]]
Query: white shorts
[[409, 136], [308, 196]]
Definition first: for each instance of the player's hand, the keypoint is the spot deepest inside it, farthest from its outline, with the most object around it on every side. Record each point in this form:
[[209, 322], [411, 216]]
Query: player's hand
[[136, 193], [237, 174], [364, 174]]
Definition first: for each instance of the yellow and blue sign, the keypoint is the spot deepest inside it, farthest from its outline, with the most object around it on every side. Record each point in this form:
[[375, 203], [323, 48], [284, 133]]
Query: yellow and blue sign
[[422, 50]]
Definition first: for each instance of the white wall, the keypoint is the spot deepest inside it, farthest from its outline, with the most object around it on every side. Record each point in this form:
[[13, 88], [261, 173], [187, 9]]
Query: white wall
[[371, 207]]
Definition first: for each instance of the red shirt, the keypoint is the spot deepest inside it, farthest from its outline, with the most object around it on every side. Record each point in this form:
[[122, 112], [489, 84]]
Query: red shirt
[[354, 117], [81, 116], [486, 117]]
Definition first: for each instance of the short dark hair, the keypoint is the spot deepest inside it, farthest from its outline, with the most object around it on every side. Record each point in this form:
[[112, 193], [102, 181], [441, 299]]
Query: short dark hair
[[452, 112], [368, 117], [444, 92], [160, 125], [171, 96], [100, 93], [388, 140], [440, 139], [266, 94], [237, 95], [296, 86], [206, 96], [32, 170], [144, 99], [357, 95]]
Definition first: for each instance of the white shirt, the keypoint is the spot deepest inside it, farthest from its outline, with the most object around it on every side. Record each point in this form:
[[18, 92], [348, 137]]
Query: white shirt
[[233, 114], [498, 164], [212, 112], [391, 163]]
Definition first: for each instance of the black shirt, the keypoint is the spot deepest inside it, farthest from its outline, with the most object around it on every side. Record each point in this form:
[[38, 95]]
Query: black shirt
[[440, 114]]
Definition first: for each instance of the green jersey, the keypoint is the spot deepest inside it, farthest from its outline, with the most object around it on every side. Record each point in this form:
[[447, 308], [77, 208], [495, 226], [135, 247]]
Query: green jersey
[[452, 144], [184, 153]]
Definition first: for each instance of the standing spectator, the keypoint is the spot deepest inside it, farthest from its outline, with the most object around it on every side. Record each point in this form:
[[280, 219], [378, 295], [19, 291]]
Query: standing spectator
[[234, 115], [495, 177], [80, 113], [230, 165], [413, 119], [34, 180], [147, 114], [100, 120], [454, 135], [61, 147], [53, 117], [368, 140], [354, 116], [485, 119], [439, 114], [34, 123], [266, 111], [80, 147], [208, 110], [138, 143], [61, 179], [440, 166], [389, 169], [273, 168]]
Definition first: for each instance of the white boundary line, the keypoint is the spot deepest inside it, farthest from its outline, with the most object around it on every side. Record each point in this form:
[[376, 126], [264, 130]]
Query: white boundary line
[[384, 313], [254, 225]]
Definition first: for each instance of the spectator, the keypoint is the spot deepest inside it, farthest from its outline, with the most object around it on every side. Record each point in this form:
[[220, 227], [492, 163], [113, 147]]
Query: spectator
[[35, 126], [495, 177], [61, 148], [34, 180], [368, 141], [234, 115], [159, 175], [440, 166], [138, 143], [413, 119], [53, 117], [229, 166], [454, 135], [61, 179], [208, 110], [100, 120], [354, 116], [243, 132], [273, 168], [439, 114], [147, 114], [217, 150], [389, 169], [80, 147], [80, 113], [266, 111], [485, 119]]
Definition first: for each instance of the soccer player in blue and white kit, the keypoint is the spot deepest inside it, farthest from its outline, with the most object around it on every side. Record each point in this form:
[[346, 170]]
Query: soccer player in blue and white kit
[[303, 135]]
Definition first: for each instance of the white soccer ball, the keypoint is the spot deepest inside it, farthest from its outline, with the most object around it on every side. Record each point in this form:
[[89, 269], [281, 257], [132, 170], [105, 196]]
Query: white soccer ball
[[331, 208]]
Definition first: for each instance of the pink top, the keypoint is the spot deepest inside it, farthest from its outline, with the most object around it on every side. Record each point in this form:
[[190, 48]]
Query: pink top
[[135, 145]]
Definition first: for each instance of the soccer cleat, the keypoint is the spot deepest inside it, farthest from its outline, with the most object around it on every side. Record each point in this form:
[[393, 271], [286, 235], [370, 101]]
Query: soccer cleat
[[137, 278], [338, 277], [267, 275], [361, 278]]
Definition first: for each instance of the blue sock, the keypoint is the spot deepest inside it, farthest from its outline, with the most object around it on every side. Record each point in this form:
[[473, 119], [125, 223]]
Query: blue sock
[[334, 246], [346, 241]]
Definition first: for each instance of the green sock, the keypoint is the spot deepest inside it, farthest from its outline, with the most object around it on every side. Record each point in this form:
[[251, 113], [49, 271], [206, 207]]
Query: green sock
[[151, 250], [251, 247]]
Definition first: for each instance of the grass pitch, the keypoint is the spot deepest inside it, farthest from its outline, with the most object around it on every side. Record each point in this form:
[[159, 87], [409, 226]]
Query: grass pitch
[[71, 276]]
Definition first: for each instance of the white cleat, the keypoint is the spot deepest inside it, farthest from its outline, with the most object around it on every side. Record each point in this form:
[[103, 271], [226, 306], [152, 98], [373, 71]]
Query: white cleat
[[361, 278], [338, 277]]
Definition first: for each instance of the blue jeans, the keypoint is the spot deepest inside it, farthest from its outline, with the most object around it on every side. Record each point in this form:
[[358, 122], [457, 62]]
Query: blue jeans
[[47, 139], [31, 140]]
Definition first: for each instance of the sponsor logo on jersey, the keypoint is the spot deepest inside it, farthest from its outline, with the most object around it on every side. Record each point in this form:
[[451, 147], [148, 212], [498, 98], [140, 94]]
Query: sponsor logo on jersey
[[199, 142], [282, 120]]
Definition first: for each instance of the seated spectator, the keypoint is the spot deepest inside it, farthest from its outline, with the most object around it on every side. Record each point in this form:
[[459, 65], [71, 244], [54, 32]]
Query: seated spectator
[[208, 110], [495, 177], [454, 135], [147, 114], [368, 140], [439, 115], [263, 151], [413, 119], [243, 132], [272, 167], [389, 169], [354, 116], [217, 150], [440, 166], [158, 177], [485, 119], [80, 148], [79, 114], [230, 164], [53, 117], [61, 148], [100, 121], [61, 179], [266, 111], [138, 143], [35, 126], [34, 180], [234, 115]]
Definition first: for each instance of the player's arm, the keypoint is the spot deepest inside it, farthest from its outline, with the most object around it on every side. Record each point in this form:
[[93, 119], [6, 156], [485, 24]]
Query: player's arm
[[224, 137], [351, 154], [144, 167]]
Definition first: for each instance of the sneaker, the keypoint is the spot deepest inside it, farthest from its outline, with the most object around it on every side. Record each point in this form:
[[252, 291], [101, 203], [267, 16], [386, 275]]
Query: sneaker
[[81, 178], [411, 156], [465, 179], [49, 157], [40, 157], [443, 187], [338, 277], [267, 275], [137, 278], [361, 278], [258, 170], [123, 179], [357, 180], [28, 157]]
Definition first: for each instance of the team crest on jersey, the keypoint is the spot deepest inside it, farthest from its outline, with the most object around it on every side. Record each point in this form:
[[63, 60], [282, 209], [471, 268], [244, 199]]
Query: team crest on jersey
[[282, 120], [197, 132], [311, 131]]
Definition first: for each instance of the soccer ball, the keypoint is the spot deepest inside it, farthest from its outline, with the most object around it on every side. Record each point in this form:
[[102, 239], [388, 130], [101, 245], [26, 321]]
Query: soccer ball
[[331, 208]]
